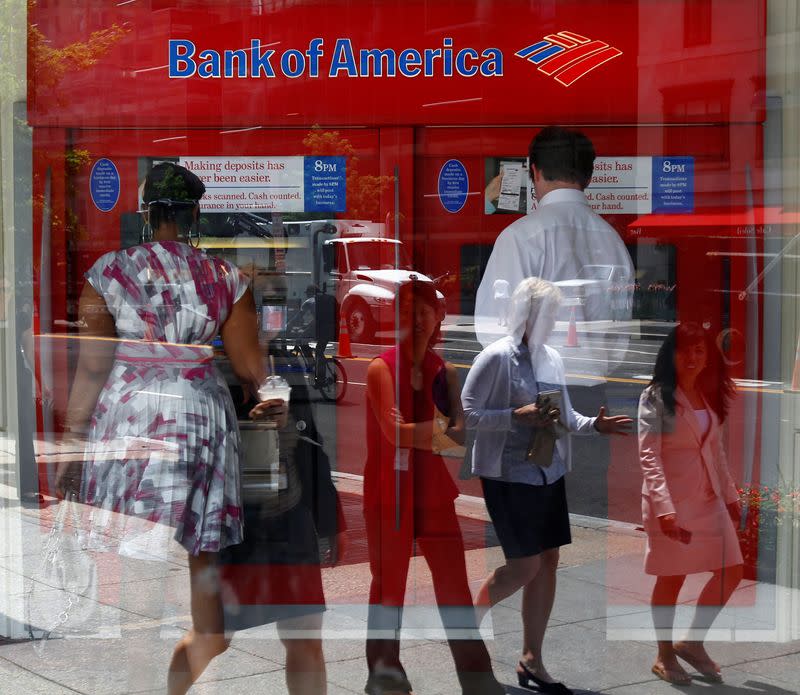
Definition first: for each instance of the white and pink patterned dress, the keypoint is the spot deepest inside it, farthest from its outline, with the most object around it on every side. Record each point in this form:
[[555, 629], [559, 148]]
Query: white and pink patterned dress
[[163, 439]]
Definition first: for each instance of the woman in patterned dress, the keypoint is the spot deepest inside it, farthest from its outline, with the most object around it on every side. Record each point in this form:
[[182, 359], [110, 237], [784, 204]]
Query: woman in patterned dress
[[163, 441]]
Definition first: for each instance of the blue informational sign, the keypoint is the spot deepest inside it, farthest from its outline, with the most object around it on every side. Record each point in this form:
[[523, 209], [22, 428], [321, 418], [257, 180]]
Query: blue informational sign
[[673, 184], [453, 185], [325, 184], [104, 185]]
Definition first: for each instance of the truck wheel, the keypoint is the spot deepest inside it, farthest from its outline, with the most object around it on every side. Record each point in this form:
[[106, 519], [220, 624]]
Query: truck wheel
[[360, 325]]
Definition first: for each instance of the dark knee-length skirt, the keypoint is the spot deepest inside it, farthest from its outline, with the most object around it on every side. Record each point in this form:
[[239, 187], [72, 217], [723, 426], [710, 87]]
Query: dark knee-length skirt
[[528, 519]]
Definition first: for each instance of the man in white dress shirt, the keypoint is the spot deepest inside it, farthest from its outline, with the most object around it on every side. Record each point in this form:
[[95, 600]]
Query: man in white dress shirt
[[566, 242]]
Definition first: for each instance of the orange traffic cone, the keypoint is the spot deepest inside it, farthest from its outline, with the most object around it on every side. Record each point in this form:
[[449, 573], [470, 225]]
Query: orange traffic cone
[[344, 339], [796, 372], [572, 331]]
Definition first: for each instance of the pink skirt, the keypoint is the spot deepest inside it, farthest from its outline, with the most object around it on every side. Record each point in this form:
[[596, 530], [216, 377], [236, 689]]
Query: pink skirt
[[713, 545]]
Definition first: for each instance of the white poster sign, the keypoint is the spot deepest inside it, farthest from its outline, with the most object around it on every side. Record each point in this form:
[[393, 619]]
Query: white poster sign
[[621, 185], [273, 184]]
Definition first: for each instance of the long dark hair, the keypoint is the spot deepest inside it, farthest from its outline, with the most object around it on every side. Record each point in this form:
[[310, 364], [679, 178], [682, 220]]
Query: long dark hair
[[713, 382]]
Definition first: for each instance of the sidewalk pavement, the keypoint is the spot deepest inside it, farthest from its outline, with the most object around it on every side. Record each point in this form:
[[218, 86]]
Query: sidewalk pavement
[[598, 641]]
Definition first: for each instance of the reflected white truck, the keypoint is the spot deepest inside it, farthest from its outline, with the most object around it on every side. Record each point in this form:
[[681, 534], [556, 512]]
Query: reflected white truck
[[366, 272]]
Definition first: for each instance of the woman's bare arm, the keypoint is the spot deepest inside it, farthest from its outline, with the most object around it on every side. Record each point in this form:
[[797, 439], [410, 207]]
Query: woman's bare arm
[[97, 346], [240, 340], [381, 398], [456, 430]]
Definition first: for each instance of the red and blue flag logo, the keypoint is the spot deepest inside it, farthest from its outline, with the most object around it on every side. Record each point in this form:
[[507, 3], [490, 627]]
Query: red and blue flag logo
[[567, 57]]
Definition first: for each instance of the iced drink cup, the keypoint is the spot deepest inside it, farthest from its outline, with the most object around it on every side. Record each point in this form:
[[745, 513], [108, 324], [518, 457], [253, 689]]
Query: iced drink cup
[[274, 387]]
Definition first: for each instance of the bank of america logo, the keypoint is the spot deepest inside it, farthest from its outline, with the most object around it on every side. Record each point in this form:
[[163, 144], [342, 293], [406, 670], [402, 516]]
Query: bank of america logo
[[567, 56]]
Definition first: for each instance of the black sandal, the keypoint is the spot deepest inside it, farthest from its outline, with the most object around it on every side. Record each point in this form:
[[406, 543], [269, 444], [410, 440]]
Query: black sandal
[[529, 680]]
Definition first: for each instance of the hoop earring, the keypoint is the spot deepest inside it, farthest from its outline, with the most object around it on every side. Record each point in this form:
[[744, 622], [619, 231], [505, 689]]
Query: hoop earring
[[195, 236], [146, 235]]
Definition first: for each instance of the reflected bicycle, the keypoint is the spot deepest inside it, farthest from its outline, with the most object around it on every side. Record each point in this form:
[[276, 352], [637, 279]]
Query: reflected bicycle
[[332, 382]]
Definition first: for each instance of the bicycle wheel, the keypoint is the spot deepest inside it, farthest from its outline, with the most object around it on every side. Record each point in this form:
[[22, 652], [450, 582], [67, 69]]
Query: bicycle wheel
[[333, 384]]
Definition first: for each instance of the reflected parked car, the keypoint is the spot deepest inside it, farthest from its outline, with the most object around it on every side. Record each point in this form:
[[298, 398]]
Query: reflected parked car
[[605, 292]]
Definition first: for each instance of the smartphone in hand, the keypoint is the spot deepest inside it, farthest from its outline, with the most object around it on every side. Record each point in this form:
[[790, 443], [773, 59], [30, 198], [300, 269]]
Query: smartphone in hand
[[549, 401]]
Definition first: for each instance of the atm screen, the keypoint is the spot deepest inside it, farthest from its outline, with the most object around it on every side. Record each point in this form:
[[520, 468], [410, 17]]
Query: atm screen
[[273, 318]]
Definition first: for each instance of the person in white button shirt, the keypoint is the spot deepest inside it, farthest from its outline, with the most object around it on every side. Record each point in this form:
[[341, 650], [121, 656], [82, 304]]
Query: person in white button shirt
[[564, 241], [561, 241]]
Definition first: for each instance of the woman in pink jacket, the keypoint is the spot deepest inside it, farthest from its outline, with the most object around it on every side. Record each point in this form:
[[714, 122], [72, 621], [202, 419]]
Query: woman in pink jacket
[[690, 504]]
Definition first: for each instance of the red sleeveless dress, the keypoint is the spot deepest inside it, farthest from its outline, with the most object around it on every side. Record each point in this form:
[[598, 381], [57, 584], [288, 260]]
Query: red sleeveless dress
[[409, 497]]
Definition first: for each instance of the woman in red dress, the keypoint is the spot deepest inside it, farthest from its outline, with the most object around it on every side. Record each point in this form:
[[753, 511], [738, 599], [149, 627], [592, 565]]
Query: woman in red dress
[[414, 412]]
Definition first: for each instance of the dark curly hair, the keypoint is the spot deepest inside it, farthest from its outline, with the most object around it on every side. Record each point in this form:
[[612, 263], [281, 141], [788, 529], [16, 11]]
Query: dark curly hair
[[713, 382], [171, 193]]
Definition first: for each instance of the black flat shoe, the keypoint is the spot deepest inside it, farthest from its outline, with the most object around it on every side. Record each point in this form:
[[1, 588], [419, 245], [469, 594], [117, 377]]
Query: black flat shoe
[[529, 680], [388, 681]]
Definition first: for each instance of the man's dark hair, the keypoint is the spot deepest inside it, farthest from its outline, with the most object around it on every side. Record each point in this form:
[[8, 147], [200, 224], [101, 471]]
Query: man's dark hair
[[562, 155], [171, 192]]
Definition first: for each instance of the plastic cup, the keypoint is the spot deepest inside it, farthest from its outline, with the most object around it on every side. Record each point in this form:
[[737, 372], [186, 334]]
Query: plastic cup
[[274, 387]]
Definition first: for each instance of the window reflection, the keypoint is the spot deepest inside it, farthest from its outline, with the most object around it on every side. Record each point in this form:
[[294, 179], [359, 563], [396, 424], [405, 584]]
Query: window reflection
[[352, 555]]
